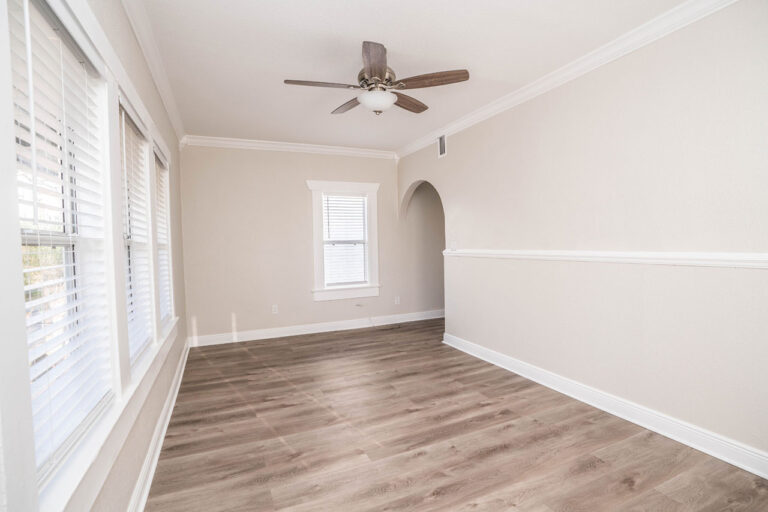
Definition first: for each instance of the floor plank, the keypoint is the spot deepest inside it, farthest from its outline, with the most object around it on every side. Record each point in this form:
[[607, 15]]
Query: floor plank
[[391, 419]]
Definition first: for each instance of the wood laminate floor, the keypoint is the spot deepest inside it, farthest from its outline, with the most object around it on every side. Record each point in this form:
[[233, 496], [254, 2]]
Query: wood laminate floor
[[391, 419]]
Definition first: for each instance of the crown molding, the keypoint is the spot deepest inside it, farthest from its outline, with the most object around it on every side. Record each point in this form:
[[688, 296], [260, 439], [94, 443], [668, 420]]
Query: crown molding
[[292, 147], [142, 29], [686, 259], [664, 24]]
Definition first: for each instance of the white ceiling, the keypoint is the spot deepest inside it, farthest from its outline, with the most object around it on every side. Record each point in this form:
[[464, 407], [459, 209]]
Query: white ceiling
[[226, 61]]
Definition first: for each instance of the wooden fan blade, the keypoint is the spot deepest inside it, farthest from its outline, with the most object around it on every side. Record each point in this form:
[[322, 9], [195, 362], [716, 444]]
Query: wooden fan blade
[[347, 106], [321, 84], [434, 79], [374, 59], [410, 104]]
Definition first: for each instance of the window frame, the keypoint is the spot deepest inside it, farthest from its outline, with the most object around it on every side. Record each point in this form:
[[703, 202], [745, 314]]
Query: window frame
[[132, 246], [370, 288], [75, 241], [106, 434]]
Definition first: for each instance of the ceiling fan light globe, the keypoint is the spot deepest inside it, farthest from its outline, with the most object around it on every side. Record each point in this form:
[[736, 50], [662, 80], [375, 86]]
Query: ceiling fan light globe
[[377, 101]]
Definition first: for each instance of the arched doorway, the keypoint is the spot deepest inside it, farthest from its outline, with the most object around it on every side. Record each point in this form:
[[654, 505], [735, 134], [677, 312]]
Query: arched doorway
[[424, 230]]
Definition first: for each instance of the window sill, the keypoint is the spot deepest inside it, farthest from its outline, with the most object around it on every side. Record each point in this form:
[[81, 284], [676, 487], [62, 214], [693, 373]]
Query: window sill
[[346, 292], [57, 491]]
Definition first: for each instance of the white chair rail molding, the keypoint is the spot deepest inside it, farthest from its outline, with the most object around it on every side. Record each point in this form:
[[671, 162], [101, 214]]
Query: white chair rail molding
[[691, 259]]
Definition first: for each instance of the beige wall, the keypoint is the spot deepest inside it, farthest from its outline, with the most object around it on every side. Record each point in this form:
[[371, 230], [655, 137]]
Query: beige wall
[[422, 240], [247, 220], [665, 149], [122, 476]]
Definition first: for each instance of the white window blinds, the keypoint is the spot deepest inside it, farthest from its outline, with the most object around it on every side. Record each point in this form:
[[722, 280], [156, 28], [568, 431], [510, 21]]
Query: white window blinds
[[345, 240], [136, 230], [162, 211], [58, 126]]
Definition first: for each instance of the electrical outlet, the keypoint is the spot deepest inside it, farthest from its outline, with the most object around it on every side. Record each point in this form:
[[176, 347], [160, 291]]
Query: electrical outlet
[[274, 309], [397, 299]]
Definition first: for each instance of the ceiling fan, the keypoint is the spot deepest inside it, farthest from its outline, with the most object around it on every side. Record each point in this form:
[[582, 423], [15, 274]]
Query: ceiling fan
[[377, 80]]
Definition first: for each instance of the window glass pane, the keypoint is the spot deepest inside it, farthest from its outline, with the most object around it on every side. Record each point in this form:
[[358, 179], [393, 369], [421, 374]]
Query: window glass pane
[[59, 169], [344, 217], [344, 263], [138, 280], [345, 239], [163, 242]]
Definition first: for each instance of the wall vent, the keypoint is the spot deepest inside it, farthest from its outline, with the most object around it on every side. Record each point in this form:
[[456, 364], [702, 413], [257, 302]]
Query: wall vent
[[442, 148]]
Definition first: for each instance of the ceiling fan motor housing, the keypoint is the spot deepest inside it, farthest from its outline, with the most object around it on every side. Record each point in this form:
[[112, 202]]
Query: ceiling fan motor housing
[[368, 82]]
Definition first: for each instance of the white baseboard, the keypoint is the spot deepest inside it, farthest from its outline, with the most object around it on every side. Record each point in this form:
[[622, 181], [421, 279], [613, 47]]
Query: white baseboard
[[141, 490], [295, 330], [746, 457], [406, 317]]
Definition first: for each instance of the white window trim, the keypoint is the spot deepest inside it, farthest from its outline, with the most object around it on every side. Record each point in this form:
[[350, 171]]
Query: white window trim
[[320, 292], [103, 441]]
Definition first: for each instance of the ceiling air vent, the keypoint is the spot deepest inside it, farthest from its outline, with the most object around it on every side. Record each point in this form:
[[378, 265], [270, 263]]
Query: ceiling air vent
[[442, 149]]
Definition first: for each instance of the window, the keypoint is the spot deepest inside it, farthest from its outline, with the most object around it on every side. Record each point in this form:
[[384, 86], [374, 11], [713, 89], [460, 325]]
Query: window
[[164, 284], [58, 102], [345, 240], [346, 245], [136, 232]]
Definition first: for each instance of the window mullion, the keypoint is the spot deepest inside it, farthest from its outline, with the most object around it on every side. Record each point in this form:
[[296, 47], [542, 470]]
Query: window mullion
[[116, 272]]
